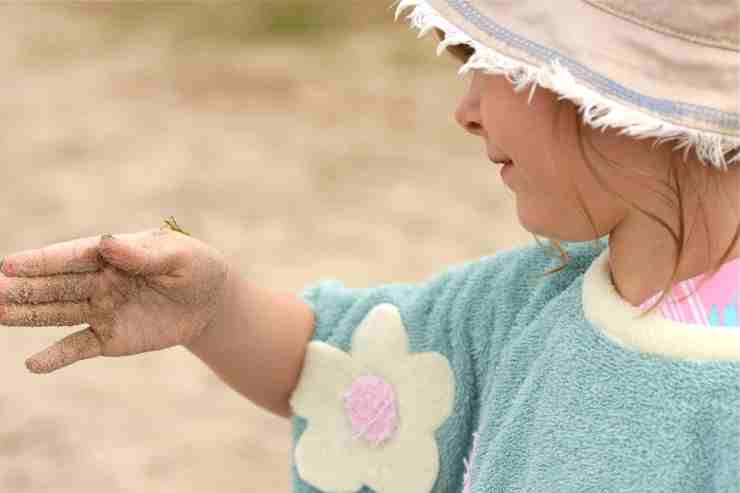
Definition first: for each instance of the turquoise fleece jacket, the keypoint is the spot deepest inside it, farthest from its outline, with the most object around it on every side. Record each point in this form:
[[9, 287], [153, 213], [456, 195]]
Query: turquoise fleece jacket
[[491, 377]]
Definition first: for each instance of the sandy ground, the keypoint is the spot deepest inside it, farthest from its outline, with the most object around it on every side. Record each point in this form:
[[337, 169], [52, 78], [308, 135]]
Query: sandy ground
[[299, 163]]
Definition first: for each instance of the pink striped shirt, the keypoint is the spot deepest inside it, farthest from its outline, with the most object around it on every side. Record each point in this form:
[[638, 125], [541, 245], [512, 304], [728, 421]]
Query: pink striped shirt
[[714, 304]]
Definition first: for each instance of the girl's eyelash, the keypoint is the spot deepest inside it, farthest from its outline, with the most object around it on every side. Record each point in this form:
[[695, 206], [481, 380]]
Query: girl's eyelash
[[461, 52]]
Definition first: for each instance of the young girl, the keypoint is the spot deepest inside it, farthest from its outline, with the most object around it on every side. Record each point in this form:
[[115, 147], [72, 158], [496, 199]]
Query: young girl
[[616, 371]]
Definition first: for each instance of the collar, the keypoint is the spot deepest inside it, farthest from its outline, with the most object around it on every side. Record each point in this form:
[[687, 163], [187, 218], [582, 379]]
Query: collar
[[617, 318]]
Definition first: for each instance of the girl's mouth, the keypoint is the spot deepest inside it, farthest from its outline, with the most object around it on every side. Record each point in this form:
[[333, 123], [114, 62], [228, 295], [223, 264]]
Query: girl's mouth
[[506, 161]]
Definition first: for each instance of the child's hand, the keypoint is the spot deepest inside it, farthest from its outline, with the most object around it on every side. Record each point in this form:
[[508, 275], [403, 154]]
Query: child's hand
[[138, 292]]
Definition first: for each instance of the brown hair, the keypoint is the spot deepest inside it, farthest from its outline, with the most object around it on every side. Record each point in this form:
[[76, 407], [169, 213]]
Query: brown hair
[[463, 52]]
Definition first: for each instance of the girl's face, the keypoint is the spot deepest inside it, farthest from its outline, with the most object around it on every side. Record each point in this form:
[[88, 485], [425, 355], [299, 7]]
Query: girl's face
[[548, 166]]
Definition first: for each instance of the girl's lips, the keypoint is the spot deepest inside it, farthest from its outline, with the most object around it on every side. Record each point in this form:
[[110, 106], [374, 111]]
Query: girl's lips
[[502, 161], [500, 158], [505, 169]]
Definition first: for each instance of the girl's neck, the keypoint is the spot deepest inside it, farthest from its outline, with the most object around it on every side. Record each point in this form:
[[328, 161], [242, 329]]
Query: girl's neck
[[640, 273]]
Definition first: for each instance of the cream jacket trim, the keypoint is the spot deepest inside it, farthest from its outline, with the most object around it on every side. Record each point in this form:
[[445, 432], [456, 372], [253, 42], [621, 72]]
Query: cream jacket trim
[[617, 318]]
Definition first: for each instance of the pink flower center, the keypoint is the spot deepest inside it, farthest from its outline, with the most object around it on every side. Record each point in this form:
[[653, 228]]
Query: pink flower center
[[370, 405]]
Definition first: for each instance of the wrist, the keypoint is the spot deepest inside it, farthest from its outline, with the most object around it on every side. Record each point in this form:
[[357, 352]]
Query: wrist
[[213, 332]]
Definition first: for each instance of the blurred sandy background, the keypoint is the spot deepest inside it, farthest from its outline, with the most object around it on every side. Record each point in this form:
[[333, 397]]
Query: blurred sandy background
[[304, 139]]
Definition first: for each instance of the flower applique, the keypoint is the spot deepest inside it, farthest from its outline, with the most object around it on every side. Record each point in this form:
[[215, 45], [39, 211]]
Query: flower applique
[[372, 412]]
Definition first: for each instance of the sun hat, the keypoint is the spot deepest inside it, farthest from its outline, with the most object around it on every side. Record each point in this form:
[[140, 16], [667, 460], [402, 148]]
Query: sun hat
[[663, 69]]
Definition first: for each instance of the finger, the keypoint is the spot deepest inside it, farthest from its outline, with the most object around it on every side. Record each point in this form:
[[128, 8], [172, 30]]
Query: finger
[[81, 345], [79, 255], [155, 254], [45, 314], [67, 287]]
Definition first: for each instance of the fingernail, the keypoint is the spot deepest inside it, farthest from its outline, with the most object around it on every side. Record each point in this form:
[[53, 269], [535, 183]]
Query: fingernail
[[107, 236], [33, 366]]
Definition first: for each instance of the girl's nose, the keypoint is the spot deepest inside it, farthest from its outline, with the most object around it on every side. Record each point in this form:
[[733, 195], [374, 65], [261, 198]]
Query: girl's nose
[[468, 117]]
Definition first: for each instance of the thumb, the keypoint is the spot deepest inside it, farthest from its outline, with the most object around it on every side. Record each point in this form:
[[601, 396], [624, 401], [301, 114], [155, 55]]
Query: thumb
[[81, 345], [132, 258]]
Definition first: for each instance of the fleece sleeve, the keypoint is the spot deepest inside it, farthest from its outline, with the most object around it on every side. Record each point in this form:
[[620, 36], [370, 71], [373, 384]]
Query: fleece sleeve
[[386, 400]]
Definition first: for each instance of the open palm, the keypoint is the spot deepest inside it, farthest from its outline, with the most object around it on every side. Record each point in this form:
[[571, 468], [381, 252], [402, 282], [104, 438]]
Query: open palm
[[138, 292]]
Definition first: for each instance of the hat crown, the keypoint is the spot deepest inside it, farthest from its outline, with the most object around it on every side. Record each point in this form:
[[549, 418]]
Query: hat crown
[[710, 22]]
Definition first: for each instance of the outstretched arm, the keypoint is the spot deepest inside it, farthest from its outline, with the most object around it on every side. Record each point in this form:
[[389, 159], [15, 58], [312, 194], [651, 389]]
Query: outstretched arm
[[258, 345]]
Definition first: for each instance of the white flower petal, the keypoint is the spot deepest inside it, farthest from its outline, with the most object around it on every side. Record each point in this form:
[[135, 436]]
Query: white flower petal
[[326, 374], [325, 457], [408, 464], [426, 390], [381, 337]]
